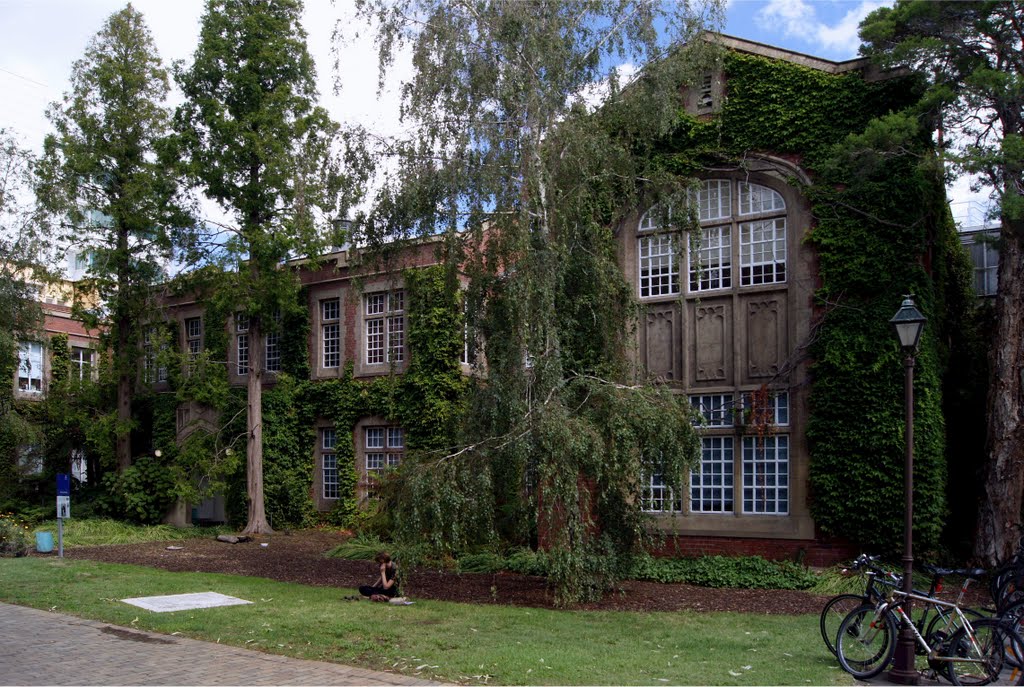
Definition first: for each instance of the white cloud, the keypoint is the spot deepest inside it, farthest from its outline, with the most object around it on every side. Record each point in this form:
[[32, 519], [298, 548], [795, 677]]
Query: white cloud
[[800, 19]]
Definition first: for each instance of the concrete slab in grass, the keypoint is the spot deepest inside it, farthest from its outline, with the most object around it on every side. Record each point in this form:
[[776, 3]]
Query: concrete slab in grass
[[184, 602]]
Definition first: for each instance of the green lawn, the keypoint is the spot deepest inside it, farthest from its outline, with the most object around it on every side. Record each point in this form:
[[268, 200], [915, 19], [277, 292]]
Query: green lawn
[[443, 641]]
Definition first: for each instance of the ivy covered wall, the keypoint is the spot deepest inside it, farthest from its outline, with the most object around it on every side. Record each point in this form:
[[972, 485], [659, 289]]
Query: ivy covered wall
[[881, 229], [426, 401]]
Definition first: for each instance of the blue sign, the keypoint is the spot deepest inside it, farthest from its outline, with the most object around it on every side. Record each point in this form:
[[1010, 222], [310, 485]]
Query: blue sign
[[63, 485]]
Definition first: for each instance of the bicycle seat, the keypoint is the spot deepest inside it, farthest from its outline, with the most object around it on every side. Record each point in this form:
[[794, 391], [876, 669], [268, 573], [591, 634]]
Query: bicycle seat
[[973, 573]]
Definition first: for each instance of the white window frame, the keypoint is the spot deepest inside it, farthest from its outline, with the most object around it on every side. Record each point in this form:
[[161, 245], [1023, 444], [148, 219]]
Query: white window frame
[[779, 406], [242, 354], [713, 200], [716, 409], [153, 372], [329, 463], [985, 260], [766, 485], [658, 265], [712, 482], [713, 268], [383, 448], [81, 363], [755, 199], [763, 252], [656, 496], [272, 352], [30, 367], [193, 339], [384, 327], [330, 333]]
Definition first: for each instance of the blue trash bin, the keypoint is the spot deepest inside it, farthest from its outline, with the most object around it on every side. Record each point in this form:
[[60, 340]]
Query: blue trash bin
[[44, 542]]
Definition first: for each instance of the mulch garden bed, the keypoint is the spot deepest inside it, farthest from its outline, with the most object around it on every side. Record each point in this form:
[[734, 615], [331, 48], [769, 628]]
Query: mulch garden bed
[[300, 557]]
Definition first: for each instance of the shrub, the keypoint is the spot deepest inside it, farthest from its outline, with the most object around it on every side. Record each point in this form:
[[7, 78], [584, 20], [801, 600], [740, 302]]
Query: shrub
[[14, 535], [751, 572], [481, 563]]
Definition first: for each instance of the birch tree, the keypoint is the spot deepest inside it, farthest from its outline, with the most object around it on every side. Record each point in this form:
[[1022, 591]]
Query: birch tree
[[525, 181]]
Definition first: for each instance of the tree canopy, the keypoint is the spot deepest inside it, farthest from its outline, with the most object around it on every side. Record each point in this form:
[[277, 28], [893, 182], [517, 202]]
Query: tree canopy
[[252, 136], [972, 54], [107, 193], [512, 165]]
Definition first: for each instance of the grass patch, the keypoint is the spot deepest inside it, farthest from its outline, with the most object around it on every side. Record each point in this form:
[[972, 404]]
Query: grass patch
[[442, 641], [99, 531]]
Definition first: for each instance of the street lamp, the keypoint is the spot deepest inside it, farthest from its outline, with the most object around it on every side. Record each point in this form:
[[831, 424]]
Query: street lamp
[[908, 323]]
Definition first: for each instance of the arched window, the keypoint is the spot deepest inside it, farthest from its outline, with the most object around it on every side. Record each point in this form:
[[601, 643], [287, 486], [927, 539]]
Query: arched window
[[725, 209]]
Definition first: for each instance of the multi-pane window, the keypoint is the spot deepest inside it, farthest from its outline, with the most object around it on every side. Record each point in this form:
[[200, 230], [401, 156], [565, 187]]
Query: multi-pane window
[[740, 224], [30, 366], [193, 338], [766, 474], [330, 332], [273, 352], [705, 97], [985, 257], [716, 409], [763, 252], [713, 267], [242, 343], [329, 458], [713, 200], [659, 265], [656, 496], [81, 363], [153, 370], [755, 199], [777, 412], [384, 447], [385, 327], [711, 484]]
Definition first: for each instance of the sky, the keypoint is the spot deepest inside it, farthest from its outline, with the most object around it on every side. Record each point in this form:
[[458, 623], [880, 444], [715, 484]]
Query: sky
[[42, 38]]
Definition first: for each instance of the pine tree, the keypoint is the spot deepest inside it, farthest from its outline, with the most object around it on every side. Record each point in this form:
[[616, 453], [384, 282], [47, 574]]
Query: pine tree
[[972, 53]]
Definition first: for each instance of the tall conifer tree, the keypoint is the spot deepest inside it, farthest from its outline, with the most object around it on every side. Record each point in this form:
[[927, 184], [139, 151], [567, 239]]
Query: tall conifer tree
[[250, 133], [113, 199]]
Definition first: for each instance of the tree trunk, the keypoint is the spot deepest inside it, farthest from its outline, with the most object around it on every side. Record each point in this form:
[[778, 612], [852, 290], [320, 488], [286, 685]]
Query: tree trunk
[[123, 431], [1000, 509], [257, 523]]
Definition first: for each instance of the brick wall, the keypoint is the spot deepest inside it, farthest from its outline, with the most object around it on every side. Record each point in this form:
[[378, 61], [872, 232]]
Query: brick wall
[[813, 552]]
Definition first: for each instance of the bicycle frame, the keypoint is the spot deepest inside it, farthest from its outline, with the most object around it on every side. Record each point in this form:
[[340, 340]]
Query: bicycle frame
[[933, 655]]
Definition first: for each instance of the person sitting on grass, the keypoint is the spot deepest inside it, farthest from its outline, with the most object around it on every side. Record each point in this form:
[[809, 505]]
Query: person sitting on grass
[[386, 586]]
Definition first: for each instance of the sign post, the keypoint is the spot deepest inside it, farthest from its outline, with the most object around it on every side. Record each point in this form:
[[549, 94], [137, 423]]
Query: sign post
[[63, 509]]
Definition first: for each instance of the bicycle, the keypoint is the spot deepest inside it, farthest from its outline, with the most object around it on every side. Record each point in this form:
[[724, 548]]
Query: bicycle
[[973, 654], [838, 607]]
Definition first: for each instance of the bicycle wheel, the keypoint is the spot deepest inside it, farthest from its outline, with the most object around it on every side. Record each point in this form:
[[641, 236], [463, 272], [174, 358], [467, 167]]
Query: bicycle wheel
[[865, 643], [1013, 616], [833, 614], [948, 623], [978, 656]]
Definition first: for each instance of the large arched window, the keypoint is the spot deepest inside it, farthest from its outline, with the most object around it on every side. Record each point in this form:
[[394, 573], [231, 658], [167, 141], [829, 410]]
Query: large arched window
[[726, 210]]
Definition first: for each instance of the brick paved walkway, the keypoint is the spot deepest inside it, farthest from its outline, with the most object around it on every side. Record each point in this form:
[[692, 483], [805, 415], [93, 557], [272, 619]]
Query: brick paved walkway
[[41, 648]]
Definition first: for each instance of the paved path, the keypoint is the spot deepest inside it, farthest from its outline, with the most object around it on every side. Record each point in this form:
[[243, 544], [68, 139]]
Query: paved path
[[41, 648]]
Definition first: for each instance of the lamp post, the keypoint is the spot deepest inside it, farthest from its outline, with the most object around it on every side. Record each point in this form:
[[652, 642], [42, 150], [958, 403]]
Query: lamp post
[[908, 323]]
